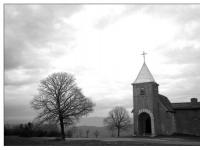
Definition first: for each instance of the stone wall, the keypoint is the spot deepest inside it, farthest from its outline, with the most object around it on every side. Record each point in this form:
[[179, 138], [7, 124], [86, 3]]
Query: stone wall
[[188, 121], [167, 124]]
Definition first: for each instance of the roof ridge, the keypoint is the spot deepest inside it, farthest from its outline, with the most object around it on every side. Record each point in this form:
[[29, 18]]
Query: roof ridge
[[184, 103]]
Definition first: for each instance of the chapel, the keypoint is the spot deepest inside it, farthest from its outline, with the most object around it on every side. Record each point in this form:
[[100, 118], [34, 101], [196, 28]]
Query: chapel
[[154, 114]]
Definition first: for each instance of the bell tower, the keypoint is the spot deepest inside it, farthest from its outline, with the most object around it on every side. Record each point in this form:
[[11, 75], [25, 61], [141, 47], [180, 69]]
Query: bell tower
[[145, 95]]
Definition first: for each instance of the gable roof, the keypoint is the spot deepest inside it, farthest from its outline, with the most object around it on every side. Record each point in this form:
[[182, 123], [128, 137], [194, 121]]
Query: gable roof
[[187, 105], [144, 75], [165, 101]]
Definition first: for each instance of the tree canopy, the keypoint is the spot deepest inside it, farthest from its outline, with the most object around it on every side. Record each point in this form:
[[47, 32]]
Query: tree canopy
[[59, 99], [118, 118]]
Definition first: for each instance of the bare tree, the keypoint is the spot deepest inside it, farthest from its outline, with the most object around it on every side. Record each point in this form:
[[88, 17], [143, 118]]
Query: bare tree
[[118, 118], [60, 100], [96, 133]]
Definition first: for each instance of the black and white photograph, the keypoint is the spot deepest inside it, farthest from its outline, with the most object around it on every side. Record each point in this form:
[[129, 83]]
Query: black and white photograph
[[101, 74]]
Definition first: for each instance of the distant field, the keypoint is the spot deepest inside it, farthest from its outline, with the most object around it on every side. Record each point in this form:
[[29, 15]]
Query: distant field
[[135, 141]]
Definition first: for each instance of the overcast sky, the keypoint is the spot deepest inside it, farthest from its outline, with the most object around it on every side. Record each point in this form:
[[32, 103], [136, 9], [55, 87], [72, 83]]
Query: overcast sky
[[101, 46]]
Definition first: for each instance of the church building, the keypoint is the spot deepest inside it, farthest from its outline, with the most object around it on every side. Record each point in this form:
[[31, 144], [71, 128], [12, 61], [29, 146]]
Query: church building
[[154, 114]]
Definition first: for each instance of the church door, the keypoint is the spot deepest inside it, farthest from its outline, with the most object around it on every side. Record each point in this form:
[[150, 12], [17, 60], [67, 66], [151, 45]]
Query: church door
[[144, 124]]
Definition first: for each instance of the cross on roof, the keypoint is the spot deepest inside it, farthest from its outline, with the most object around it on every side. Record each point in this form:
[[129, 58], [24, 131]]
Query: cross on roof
[[144, 55]]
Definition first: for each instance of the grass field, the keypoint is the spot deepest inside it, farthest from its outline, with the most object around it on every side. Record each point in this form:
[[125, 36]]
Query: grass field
[[134, 141]]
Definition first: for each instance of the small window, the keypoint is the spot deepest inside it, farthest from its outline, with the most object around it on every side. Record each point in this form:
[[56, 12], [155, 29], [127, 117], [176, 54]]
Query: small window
[[142, 91]]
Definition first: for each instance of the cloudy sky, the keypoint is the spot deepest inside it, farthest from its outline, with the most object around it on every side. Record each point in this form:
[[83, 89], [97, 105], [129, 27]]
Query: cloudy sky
[[101, 46]]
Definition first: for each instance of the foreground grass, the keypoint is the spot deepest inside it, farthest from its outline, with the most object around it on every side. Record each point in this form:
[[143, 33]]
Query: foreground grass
[[20, 141], [45, 141]]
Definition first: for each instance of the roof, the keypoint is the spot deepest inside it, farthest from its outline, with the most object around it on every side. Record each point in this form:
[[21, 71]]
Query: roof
[[144, 75], [165, 101], [187, 105]]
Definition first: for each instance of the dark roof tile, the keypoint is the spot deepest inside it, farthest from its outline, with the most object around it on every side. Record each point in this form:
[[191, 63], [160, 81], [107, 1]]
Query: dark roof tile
[[165, 101]]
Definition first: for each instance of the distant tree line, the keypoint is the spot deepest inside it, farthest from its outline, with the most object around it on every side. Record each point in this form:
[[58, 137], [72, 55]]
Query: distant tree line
[[32, 130], [47, 130]]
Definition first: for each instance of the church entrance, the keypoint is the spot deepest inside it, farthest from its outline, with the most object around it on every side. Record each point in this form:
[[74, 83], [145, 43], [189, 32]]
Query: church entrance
[[144, 124]]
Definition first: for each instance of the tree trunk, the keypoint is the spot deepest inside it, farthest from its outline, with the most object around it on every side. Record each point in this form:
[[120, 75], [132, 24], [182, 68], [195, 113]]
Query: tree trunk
[[62, 128], [118, 134]]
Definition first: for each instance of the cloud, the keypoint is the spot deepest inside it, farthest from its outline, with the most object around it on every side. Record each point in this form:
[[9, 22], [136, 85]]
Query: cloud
[[105, 105], [187, 55], [186, 16], [21, 77], [30, 33], [114, 14]]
